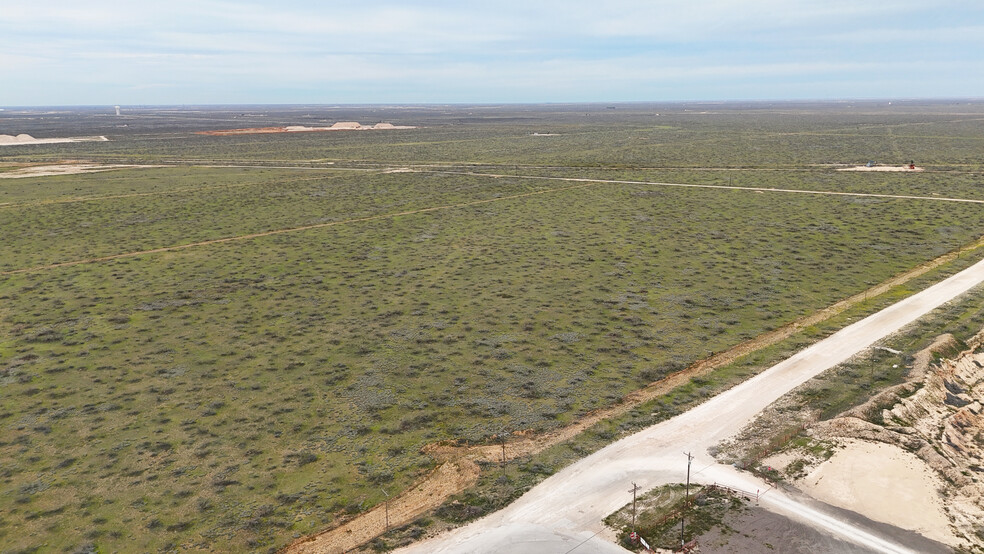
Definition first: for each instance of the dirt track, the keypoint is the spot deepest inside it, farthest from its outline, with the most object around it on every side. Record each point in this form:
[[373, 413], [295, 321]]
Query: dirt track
[[447, 479], [719, 187], [892, 168]]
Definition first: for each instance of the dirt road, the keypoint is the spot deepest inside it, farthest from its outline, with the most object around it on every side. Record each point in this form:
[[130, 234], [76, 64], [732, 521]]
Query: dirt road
[[566, 510], [718, 187]]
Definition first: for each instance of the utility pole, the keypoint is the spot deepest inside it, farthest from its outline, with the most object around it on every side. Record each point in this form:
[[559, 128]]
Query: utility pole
[[686, 500], [635, 487], [386, 507], [502, 441]]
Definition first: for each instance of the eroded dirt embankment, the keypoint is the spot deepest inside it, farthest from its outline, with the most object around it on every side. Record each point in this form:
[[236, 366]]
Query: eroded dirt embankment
[[447, 479], [938, 419]]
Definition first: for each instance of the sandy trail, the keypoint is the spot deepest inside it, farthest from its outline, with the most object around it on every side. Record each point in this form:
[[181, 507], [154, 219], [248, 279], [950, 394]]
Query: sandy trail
[[452, 476], [890, 168], [572, 502], [719, 187], [66, 169]]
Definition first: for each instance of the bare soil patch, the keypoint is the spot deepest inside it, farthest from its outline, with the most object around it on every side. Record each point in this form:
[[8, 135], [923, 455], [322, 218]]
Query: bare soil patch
[[911, 456], [901, 168], [60, 169], [885, 483], [23, 139], [447, 479], [340, 126]]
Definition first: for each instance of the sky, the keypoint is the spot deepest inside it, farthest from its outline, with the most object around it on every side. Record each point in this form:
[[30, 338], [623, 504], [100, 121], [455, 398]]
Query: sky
[[104, 52]]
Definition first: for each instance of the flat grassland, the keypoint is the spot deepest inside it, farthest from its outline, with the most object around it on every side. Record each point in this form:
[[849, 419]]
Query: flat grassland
[[252, 343]]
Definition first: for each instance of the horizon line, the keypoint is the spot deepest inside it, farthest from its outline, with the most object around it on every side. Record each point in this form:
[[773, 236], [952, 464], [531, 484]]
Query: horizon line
[[869, 100]]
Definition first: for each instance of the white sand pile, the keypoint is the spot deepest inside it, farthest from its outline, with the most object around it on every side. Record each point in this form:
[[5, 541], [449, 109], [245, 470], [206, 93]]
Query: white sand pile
[[61, 169], [11, 140], [345, 126], [19, 139]]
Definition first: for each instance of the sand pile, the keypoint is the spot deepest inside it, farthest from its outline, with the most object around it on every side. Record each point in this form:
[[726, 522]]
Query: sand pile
[[347, 125], [19, 139], [62, 169], [339, 126], [12, 140]]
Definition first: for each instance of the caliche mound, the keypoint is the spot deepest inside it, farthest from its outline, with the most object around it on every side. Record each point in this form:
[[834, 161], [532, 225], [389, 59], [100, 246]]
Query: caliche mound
[[340, 126], [61, 169], [11, 140], [19, 139]]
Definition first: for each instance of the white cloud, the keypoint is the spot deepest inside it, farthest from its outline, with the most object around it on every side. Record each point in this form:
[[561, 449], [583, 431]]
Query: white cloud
[[956, 34], [459, 50]]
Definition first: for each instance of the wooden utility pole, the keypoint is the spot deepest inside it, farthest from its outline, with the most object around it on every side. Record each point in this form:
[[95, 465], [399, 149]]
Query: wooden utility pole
[[386, 508], [635, 487], [686, 500], [502, 440]]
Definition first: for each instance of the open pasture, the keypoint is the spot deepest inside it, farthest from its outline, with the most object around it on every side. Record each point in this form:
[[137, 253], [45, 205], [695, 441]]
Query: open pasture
[[234, 395]]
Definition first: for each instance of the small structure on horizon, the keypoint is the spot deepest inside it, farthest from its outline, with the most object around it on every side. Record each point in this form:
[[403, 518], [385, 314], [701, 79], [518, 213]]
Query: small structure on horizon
[[117, 111]]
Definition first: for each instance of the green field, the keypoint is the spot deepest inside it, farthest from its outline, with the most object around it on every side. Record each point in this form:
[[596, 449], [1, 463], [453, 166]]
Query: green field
[[235, 395]]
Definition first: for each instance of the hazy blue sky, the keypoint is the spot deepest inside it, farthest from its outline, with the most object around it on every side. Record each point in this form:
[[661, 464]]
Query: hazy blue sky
[[55, 52]]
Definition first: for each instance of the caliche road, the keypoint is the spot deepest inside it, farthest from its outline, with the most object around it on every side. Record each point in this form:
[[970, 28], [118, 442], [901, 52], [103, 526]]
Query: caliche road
[[564, 513]]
